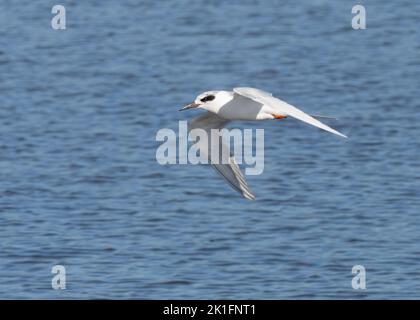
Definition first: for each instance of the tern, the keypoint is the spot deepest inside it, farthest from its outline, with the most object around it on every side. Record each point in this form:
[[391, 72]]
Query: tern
[[242, 104]]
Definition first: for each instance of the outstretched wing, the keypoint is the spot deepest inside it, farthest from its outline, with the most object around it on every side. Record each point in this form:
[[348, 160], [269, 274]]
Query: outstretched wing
[[225, 165], [283, 108]]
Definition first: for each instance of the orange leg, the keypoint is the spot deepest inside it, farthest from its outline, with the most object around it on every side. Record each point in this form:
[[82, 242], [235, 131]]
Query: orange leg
[[278, 116]]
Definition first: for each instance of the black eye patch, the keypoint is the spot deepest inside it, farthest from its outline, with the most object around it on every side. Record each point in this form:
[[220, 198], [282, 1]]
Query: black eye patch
[[208, 98]]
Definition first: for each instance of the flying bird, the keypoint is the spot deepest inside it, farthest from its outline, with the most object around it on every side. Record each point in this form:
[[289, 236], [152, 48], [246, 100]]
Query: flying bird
[[241, 104]]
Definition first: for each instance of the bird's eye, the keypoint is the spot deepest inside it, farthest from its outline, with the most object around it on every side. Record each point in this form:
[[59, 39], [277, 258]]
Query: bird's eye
[[208, 98]]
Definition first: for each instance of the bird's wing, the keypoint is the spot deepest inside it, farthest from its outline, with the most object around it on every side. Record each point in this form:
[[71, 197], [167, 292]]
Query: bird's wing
[[282, 107], [225, 165]]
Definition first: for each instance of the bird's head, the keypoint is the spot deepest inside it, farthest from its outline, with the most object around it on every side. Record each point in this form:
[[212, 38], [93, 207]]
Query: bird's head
[[210, 100]]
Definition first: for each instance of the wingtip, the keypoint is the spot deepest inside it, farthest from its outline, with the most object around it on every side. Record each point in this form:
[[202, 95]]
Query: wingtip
[[248, 196], [331, 130]]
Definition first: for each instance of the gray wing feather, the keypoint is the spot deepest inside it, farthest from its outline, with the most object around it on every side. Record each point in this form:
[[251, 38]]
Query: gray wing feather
[[227, 168]]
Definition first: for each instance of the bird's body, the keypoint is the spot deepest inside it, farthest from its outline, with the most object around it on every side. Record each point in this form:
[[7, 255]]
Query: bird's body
[[232, 106], [242, 104]]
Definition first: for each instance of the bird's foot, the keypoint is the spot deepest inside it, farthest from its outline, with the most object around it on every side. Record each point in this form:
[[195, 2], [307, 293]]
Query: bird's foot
[[278, 116]]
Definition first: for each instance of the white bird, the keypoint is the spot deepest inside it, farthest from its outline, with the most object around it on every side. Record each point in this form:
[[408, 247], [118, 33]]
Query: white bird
[[242, 104]]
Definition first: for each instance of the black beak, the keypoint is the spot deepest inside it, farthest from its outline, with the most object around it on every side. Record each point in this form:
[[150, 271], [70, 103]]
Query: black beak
[[189, 106]]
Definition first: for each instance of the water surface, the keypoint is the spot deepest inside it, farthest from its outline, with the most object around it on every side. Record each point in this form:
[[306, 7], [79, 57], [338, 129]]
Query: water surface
[[80, 185]]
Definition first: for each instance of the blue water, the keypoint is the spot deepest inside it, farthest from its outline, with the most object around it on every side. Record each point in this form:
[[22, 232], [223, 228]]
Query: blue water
[[80, 185]]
